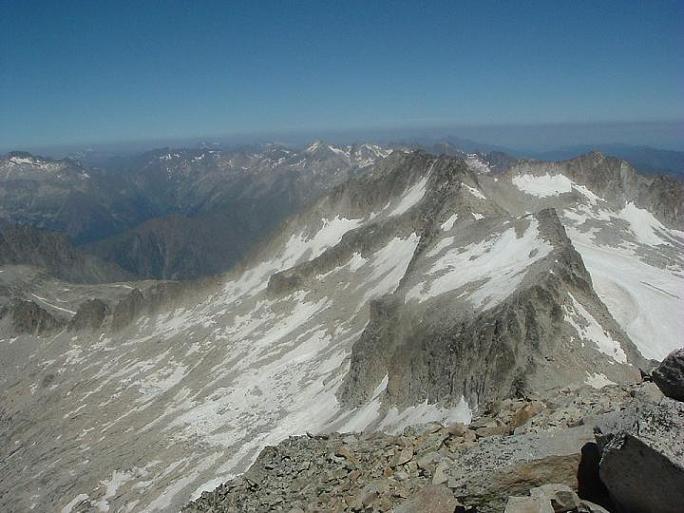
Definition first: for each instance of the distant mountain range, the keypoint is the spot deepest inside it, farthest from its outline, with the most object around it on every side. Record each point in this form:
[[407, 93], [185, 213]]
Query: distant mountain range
[[187, 213], [644, 158], [174, 214]]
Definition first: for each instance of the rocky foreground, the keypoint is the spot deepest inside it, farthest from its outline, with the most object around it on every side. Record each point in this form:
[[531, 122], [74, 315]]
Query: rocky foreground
[[617, 448]]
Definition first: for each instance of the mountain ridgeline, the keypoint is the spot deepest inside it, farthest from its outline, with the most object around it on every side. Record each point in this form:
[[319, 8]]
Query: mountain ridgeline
[[401, 288], [173, 214]]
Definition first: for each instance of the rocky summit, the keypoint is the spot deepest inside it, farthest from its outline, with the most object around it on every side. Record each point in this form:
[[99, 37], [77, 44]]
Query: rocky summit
[[528, 455], [420, 333]]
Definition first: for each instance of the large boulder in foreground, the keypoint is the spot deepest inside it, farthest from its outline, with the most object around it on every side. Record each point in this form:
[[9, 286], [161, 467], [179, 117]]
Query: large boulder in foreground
[[669, 375], [484, 476], [642, 457]]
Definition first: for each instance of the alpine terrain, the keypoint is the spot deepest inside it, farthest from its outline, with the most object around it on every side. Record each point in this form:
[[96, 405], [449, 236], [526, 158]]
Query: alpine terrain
[[437, 333]]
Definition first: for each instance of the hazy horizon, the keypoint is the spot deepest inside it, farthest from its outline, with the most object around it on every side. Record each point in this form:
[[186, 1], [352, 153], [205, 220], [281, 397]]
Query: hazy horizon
[[519, 139], [525, 76]]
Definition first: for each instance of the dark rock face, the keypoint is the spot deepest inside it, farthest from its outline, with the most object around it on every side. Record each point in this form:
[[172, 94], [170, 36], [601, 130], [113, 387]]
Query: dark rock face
[[90, 315], [26, 245], [28, 317], [669, 375], [128, 309], [642, 460]]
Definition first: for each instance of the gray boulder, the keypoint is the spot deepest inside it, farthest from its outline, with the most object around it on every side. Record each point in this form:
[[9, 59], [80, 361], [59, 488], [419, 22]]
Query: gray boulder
[[536, 504], [562, 497], [485, 476], [669, 375], [432, 498], [642, 457]]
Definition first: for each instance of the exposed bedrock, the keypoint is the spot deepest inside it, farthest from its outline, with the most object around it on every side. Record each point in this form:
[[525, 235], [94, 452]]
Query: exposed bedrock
[[669, 375], [450, 349], [26, 317], [642, 457], [90, 315]]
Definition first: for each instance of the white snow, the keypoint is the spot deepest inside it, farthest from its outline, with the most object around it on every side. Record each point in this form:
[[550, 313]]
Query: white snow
[[647, 301], [21, 160], [588, 328], [70, 506], [494, 267], [356, 262], [449, 223], [477, 216], [47, 303], [412, 195], [544, 185], [395, 421], [111, 485], [329, 235], [643, 225], [598, 380], [313, 147], [443, 243], [367, 414], [475, 163], [295, 249], [389, 266], [472, 190]]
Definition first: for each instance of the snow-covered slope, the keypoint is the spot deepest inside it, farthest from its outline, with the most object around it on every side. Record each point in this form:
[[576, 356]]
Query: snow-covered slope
[[635, 260]]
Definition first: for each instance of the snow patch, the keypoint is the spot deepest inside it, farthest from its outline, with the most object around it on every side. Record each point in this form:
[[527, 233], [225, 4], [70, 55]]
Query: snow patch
[[395, 421], [643, 225], [410, 198], [494, 267], [646, 301], [598, 380], [591, 330], [544, 185], [389, 266], [449, 223], [472, 190], [70, 506]]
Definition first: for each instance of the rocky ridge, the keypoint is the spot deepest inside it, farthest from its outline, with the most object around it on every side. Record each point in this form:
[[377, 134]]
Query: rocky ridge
[[519, 455]]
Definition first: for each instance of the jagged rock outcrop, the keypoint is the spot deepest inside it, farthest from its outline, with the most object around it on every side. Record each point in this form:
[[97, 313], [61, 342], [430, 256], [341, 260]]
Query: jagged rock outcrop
[[551, 498], [457, 467], [669, 375], [27, 317], [156, 295], [128, 309], [617, 181], [642, 457], [454, 350], [90, 315]]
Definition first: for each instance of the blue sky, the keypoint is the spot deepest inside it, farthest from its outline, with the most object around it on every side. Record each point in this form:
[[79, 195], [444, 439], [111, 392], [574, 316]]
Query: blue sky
[[98, 71]]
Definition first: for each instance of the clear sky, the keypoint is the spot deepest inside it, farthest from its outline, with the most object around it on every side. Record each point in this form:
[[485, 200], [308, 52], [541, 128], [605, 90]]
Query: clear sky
[[92, 71]]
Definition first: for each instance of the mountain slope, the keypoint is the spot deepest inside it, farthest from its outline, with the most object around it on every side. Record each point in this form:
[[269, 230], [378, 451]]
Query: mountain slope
[[628, 229], [217, 204], [25, 245], [63, 196], [416, 291]]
